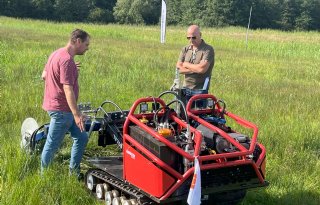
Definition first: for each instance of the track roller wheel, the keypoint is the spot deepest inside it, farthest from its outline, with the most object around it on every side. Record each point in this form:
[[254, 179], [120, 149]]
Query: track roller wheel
[[122, 199], [116, 201], [106, 187], [100, 191], [133, 201], [115, 193], [108, 197], [126, 202], [91, 182]]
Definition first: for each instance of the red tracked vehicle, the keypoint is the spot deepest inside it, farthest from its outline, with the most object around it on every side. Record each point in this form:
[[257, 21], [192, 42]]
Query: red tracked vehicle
[[159, 145]]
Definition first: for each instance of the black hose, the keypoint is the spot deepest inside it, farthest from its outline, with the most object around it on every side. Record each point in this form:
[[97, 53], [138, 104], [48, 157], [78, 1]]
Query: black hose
[[168, 92], [182, 105]]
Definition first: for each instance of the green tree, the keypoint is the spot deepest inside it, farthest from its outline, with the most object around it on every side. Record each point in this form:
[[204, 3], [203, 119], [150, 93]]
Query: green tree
[[137, 11], [3, 7], [105, 4], [275, 14], [226, 12], [71, 10], [265, 14], [211, 15], [151, 11], [314, 9], [101, 11], [240, 11], [16, 8], [288, 14], [42, 9], [303, 20], [100, 15], [121, 11], [192, 10], [174, 11]]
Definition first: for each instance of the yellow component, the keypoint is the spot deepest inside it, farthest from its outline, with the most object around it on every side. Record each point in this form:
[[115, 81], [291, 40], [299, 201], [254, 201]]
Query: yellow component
[[144, 119], [165, 132], [211, 151]]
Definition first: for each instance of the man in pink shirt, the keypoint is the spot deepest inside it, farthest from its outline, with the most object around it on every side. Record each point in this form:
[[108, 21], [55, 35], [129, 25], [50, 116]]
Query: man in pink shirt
[[60, 101]]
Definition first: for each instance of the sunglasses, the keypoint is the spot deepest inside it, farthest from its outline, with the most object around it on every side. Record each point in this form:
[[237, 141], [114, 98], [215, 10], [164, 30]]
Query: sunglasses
[[193, 37]]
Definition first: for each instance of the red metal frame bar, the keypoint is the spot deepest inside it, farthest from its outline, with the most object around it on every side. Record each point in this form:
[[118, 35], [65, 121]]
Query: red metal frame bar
[[243, 151], [133, 118]]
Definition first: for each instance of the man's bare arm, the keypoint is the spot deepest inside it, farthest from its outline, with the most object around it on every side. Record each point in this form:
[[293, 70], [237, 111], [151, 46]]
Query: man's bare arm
[[202, 67], [71, 99], [182, 69]]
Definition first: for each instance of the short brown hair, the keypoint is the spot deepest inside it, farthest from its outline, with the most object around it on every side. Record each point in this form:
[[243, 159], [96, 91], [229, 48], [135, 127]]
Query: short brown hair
[[78, 33]]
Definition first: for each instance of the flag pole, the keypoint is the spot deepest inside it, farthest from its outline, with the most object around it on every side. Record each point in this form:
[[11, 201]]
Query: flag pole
[[163, 21], [248, 27]]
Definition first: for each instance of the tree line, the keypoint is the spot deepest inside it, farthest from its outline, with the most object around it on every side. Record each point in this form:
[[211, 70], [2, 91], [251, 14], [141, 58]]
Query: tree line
[[272, 14]]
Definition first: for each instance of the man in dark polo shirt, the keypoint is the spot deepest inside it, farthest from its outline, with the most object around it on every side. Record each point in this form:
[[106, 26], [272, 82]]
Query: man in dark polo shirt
[[196, 62]]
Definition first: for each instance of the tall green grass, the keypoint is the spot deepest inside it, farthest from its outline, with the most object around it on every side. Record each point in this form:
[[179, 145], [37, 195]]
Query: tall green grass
[[273, 81]]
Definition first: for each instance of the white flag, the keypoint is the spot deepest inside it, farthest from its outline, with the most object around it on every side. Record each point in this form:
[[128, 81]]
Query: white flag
[[163, 21], [194, 197]]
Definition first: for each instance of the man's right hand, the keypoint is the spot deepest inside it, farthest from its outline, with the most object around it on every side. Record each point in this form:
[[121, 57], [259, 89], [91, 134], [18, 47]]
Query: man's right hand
[[80, 119]]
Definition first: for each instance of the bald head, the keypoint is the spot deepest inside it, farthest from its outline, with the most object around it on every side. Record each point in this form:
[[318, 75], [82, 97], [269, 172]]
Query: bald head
[[194, 35], [194, 29]]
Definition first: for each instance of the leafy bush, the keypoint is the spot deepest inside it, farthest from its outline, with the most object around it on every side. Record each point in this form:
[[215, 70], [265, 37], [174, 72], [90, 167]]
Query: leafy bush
[[100, 15]]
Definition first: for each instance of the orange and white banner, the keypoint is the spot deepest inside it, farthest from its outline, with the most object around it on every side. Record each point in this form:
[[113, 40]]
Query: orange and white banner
[[194, 197]]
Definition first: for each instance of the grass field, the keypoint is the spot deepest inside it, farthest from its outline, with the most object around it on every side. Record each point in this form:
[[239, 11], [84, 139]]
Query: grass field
[[274, 82]]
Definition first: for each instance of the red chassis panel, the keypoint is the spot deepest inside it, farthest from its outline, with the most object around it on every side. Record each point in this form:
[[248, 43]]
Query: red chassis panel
[[142, 173]]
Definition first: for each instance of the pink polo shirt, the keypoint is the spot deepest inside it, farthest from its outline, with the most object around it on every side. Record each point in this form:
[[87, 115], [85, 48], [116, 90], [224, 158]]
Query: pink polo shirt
[[61, 69]]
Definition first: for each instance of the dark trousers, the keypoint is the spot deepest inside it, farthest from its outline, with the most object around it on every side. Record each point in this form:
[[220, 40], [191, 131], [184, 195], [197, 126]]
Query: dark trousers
[[187, 93]]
